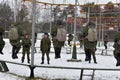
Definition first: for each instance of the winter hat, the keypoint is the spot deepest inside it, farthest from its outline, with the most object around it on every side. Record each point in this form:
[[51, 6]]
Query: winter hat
[[26, 34], [45, 33], [91, 25], [59, 22]]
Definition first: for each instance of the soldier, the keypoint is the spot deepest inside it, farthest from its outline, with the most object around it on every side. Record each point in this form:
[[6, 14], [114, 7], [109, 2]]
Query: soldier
[[106, 41], [26, 43], [70, 38], [45, 47], [117, 47], [14, 38], [56, 42], [2, 42], [89, 46]]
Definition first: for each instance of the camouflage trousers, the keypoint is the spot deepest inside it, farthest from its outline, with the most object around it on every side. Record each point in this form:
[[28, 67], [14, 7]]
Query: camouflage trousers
[[26, 51], [47, 54], [88, 53]]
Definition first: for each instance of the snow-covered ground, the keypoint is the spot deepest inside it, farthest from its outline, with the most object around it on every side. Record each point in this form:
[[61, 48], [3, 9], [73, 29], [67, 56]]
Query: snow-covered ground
[[18, 72]]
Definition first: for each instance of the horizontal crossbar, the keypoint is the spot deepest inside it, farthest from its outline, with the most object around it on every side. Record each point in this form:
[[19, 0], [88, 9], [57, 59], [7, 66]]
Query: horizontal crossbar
[[63, 67]]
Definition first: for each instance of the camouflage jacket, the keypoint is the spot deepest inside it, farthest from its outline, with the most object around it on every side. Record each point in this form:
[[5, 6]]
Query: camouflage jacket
[[70, 37], [45, 45], [116, 45], [56, 43], [26, 43], [106, 39]]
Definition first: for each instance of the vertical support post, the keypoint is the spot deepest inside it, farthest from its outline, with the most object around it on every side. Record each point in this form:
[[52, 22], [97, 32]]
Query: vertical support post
[[51, 19], [81, 74], [33, 35], [31, 71], [15, 10], [88, 16], [100, 29], [93, 74], [102, 34], [74, 46], [3, 66]]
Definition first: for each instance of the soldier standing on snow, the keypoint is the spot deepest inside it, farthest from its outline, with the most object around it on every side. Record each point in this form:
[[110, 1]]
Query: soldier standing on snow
[[89, 43], [58, 38], [117, 47], [106, 41], [26, 43], [45, 47], [14, 38], [2, 43], [70, 38]]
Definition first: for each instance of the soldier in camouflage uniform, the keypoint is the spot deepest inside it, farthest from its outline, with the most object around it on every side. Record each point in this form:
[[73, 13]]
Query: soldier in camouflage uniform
[[26, 43], [70, 38], [106, 41], [89, 47], [16, 45], [2, 43], [57, 44], [45, 47], [117, 47]]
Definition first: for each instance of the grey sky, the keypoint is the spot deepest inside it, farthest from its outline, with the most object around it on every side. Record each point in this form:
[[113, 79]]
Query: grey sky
[[72, 1], [81, 1]]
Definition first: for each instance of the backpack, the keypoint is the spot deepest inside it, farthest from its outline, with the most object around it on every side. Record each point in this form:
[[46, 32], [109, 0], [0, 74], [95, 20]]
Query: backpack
[[13, 34], [92, 34], [61, 34]]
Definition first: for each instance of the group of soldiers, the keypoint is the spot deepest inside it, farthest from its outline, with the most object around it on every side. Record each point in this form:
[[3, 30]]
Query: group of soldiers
[[22, 40], [89, 46]]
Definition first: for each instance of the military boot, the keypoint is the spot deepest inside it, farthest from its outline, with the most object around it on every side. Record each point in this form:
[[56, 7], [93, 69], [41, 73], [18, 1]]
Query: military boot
[[42, 61], [22, 60], [48, 62], [95, 61], [1, 51], [28, 60], [89, 61]]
